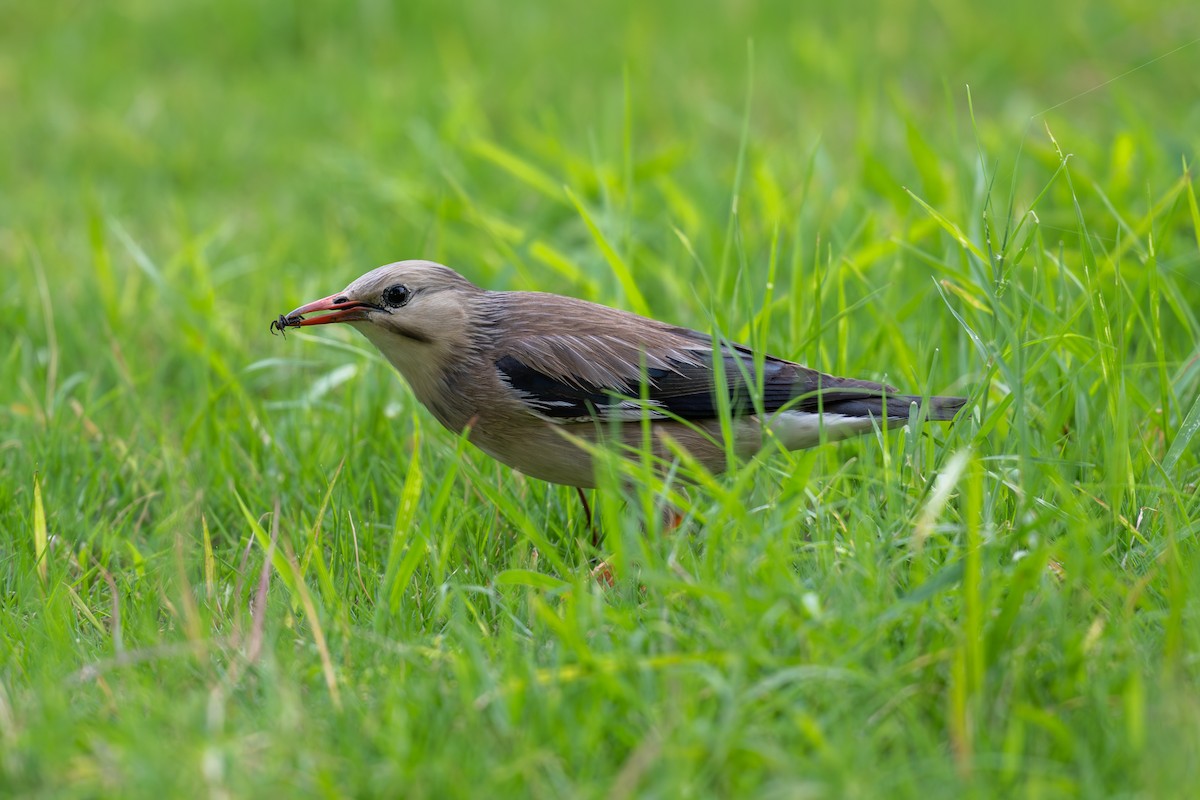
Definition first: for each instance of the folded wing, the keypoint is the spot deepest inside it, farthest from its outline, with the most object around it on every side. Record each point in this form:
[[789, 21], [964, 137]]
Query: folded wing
[[575, 368]]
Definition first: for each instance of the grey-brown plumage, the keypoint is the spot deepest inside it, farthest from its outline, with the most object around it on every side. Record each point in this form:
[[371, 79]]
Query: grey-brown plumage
[[520, 369]]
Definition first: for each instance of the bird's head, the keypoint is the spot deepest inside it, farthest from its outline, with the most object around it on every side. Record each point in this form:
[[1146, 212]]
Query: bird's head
[[408, 310]]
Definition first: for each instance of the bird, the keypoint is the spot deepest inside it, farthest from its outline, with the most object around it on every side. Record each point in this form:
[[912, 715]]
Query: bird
[[534, 378]]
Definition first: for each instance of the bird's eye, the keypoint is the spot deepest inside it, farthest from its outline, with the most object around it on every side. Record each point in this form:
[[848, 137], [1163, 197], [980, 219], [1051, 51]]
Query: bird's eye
[[396, 296]]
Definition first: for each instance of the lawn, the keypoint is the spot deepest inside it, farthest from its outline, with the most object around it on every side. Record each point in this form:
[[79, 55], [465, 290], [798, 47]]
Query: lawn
[[237, 565]]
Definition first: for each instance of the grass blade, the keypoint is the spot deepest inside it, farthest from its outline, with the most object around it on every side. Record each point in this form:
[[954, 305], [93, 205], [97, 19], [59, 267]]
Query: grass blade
[[624, 275], [40, 537], [1183, 438]]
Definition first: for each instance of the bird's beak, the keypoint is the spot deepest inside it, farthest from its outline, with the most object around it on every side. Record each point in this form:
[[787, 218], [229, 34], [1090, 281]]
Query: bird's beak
[[341, 308]]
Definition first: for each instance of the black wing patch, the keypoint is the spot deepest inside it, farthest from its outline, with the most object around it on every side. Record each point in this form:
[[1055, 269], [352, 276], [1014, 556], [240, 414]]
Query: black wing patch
[[558, 399], [687, 391]]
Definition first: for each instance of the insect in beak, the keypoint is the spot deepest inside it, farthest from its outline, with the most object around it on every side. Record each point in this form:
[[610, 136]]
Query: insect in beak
[[284, 322]]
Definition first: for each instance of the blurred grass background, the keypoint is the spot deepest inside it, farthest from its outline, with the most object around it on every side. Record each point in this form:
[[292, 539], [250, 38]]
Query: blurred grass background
[[235, 565]]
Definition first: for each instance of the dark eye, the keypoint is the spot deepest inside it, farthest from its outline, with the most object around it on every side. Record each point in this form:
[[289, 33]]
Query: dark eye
[[396, 296]]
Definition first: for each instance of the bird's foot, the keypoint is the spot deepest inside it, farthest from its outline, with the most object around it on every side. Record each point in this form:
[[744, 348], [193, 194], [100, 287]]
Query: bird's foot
[[602, 574]]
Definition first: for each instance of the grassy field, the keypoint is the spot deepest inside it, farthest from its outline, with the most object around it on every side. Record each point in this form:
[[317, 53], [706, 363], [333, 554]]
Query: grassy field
[[234, 565]]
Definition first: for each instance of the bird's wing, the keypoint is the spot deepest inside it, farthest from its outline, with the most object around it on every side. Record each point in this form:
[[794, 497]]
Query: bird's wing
[[574, 361]]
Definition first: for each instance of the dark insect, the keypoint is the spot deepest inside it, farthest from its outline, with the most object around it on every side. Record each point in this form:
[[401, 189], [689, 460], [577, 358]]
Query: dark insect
[[284, 322]]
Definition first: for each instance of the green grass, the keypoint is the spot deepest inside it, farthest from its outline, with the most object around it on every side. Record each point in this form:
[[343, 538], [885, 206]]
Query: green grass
[[234, 565]]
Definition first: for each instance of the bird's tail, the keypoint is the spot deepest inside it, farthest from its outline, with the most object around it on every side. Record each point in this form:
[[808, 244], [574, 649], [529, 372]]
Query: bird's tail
[[895, 406], [939, 409]]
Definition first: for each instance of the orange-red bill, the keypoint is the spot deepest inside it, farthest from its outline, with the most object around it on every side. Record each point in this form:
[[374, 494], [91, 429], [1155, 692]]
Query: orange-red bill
[[340, 308]]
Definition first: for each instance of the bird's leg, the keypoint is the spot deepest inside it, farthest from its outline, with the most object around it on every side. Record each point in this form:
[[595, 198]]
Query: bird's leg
[[602, 573], [672, 518], [591, 520], [670, 515]]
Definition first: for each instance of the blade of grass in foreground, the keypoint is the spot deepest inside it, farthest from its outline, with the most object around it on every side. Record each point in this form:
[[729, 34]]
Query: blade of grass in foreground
[[1187, 430], [616, 263], [40, 538], [404, 550]]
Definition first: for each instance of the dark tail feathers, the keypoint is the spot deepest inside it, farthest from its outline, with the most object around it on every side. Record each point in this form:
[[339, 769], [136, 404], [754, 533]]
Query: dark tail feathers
[[940, 409]]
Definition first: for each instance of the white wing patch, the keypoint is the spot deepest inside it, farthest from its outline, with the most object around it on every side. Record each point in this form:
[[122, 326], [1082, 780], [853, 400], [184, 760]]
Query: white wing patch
[[799, 429]]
